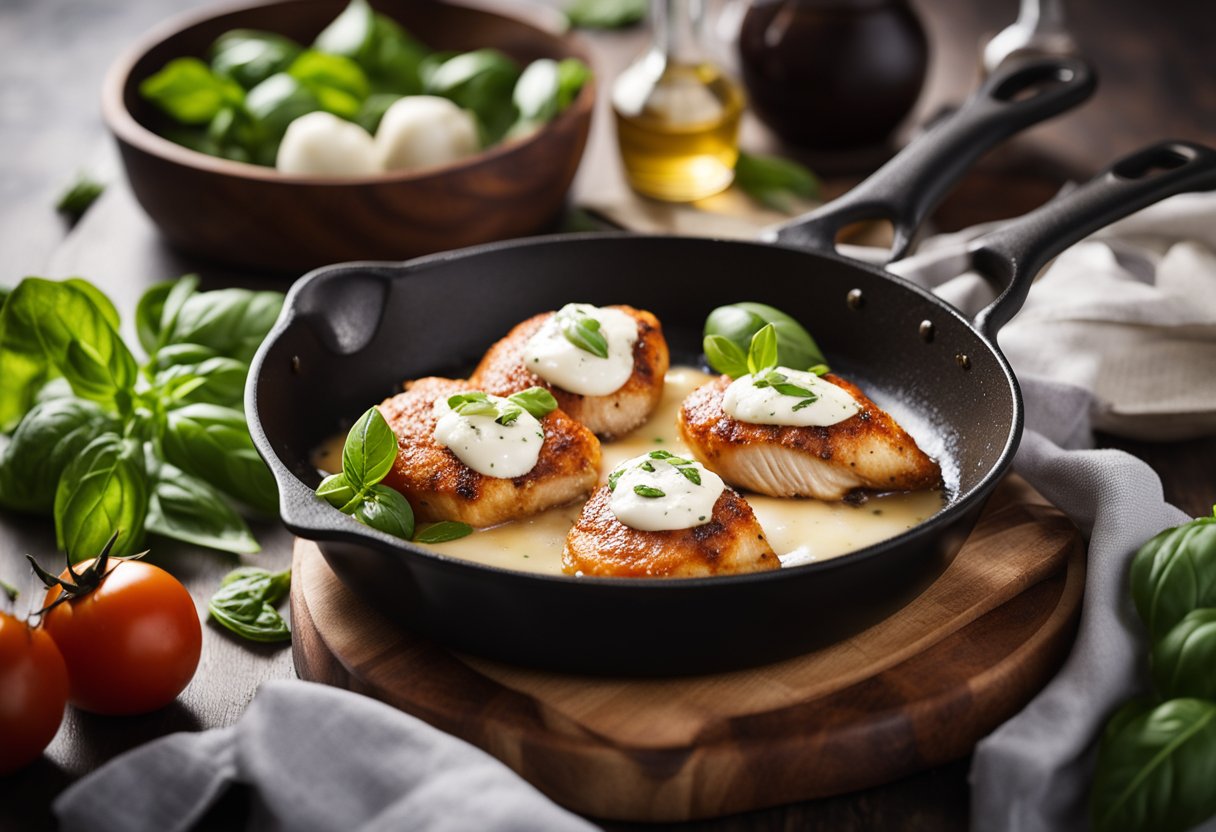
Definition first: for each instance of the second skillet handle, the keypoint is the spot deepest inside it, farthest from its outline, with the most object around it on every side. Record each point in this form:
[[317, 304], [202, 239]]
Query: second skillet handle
[[1014, 253], [907, 188]]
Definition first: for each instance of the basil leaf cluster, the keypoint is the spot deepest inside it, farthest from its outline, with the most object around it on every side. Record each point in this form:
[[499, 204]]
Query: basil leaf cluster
[[245, 604], [238, 103], [1157, 760], [730, 330], [367, 457], [102, 442]]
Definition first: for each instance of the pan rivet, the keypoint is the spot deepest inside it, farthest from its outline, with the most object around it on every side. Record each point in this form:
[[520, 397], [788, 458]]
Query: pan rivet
[[962, 361], [855, 299], [295, 364], [926, 331]]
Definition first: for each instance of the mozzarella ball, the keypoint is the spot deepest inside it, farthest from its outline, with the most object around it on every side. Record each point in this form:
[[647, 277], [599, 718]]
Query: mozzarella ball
[[321, 144], [421, 131]]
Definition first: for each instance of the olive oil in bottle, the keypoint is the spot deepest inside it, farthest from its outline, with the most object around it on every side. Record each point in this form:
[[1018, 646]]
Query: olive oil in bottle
[[677, 115]]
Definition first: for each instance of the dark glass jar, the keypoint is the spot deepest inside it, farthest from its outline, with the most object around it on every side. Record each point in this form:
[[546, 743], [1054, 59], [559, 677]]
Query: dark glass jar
[[832, 74]]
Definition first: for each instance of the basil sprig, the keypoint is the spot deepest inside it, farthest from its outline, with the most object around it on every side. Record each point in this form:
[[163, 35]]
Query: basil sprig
[[1157, 759], [443, 531], [760, 362], [537, 401], [245, 604], [101, 441], [729, 331], [582, 330], [367, 457]]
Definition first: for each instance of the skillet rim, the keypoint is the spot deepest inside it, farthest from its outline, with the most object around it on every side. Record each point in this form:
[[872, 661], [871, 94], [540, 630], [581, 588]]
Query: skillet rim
[[288, 482]]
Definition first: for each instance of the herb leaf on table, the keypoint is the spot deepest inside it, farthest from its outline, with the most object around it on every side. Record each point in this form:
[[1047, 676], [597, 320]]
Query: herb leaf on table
[[245, 604]]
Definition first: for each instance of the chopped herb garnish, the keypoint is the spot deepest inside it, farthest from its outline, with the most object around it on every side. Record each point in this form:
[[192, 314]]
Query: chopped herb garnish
[[582, 330], [660, 454], [647, 467], [805, 403], [536, 400], [648, 491], [820, 369], [691, 474], [613, 477]]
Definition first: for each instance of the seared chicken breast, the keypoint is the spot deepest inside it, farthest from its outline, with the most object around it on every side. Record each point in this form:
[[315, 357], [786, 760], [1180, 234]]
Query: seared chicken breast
[[732, 541], [441, 487], [865, 451], [503, 371]]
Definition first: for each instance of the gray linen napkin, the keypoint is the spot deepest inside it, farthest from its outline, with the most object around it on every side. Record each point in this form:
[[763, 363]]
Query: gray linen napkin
[[319, 759]]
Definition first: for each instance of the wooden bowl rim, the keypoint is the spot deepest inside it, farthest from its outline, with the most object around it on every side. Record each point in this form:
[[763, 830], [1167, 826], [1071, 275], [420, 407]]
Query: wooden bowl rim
[[127, 129]]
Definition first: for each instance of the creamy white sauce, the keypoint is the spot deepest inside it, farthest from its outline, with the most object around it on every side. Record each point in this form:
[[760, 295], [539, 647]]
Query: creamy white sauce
[[652, 495], [799, 530], [487, 447], [554, 358], [746, 402]]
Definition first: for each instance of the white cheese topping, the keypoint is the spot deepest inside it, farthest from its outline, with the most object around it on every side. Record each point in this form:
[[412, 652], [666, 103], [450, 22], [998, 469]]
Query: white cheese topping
[[769, 405], [649, 493], [486, 446], [555, 358], [422, 131]]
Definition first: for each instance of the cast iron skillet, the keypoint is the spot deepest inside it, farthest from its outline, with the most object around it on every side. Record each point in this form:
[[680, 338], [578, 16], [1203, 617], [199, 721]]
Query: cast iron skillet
[[350, 333]]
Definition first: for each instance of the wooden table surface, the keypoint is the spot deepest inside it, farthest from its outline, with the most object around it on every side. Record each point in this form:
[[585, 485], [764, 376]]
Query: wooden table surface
[[1157, 74]]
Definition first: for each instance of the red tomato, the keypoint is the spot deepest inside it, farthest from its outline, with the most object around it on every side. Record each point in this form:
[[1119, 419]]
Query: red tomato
[[33, 693], [132, 644]]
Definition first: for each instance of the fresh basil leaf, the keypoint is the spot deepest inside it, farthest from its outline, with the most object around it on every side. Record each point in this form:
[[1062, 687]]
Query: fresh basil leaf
[[212, 443], [386, 510], [1175, 573], [233, 322], [795, 390], [804, 404], [369, 451], [336, 491], [249, 56], [105, 489], [244, 604], [235, 134], [820, 369], [158, 310], [583, 331], [472, 404], [39, 322], [538, 401], [762, 354], [1156, 767], [774, 181], [277, 102], [373, 108], [79, 197], [1184, 660], [189, 91], [481, 81], [443, 531], [613, 477], [660, 454], [394, 62], [338, 83], [217, 380], [739, 322], [546, 87], [648, 491], [186, 508], [50, 436], [381, 47], [507, 414], [606, 14], [724, 356]]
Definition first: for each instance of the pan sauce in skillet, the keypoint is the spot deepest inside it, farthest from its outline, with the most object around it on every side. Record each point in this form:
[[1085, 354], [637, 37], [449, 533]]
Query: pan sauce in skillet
[[800, 530]]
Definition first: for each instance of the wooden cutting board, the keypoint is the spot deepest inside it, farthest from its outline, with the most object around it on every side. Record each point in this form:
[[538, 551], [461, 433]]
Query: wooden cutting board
[[914, 691]]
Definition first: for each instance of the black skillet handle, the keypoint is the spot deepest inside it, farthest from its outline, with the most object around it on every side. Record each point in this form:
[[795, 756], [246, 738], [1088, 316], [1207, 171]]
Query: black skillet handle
[[907, 188], [1013, 254]]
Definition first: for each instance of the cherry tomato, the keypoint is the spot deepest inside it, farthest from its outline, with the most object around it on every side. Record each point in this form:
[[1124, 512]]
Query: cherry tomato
[[33, 692], [132, 644]]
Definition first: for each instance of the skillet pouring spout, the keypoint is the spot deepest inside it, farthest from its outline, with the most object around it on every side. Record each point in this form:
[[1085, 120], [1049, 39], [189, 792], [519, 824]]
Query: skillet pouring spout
[[349, 335]]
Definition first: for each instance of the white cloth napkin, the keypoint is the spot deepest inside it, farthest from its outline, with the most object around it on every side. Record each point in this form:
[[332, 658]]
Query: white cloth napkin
[[1119, 333]]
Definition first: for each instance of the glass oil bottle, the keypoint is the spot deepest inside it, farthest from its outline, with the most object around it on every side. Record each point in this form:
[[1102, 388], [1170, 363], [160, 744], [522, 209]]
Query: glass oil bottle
[[677, 114]]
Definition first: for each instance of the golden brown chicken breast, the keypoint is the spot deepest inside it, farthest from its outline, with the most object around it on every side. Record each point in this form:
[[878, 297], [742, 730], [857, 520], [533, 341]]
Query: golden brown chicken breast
[[440, 486], [504, 370], [866, 451], [600, 544]]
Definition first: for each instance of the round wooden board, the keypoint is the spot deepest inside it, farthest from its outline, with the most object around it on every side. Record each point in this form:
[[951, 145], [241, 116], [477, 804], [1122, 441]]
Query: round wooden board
[[914, 691]]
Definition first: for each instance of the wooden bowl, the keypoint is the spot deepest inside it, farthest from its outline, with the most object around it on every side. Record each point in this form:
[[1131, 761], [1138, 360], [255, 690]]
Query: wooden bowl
[[254, 216]]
